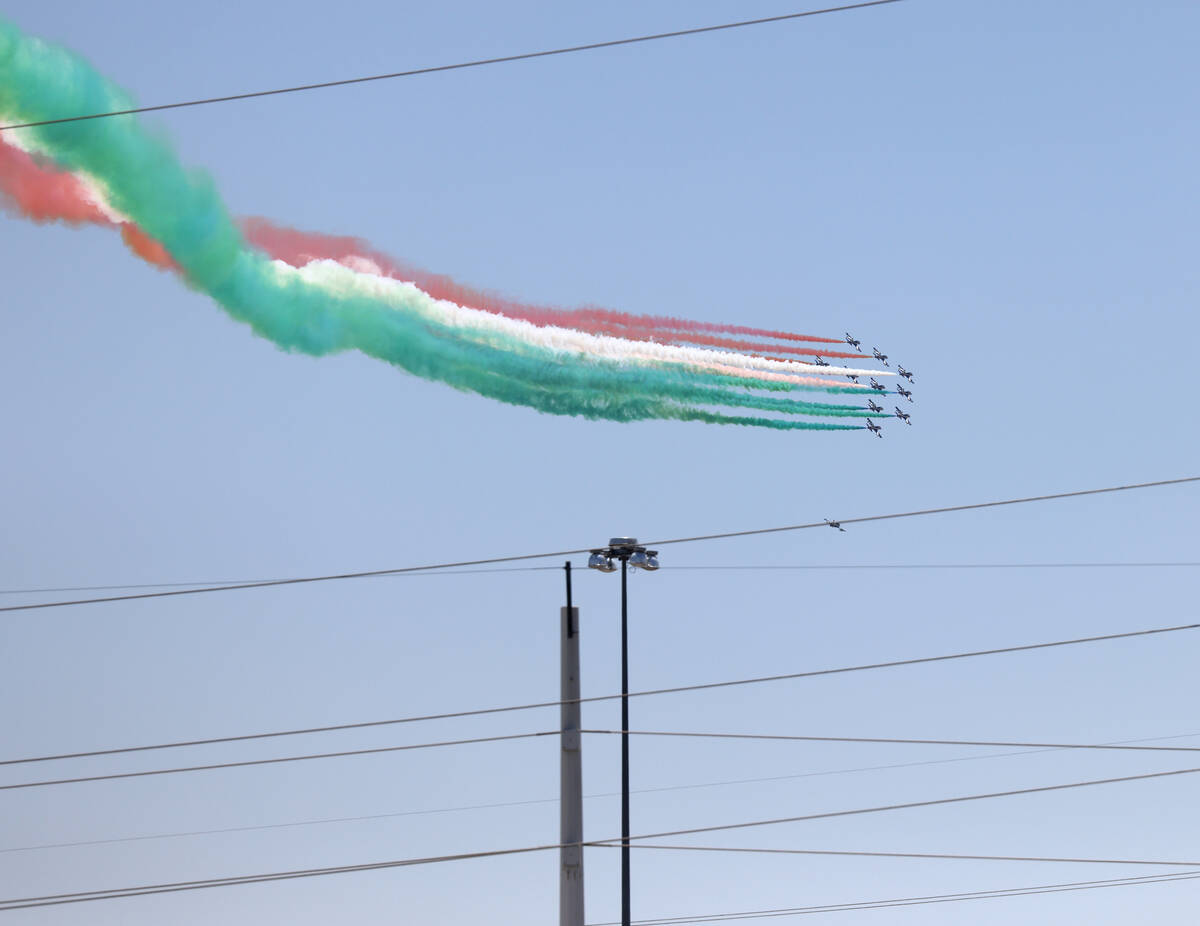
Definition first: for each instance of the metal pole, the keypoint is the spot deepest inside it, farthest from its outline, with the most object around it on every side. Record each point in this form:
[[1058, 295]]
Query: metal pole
[[570, 878], [625, 907]]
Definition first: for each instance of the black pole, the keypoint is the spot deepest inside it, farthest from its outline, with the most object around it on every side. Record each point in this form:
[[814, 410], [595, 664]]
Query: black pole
[[625, 915], [570, 623]]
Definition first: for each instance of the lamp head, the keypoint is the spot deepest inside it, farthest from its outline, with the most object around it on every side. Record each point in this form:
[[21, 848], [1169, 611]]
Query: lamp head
[[601, 562]]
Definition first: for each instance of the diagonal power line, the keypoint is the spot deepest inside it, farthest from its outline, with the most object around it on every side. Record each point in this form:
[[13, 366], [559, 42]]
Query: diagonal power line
[[705, 686], [909, 805], [911, 901], [744, 567], [276, 761], [377, 750], [481, 62], [171, 887], [910, 742], [956, 856], [925, 511], [272, 583], [548, 800]]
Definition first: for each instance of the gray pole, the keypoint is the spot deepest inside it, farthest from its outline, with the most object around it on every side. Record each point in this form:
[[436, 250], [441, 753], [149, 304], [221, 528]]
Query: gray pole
[[570, 878]]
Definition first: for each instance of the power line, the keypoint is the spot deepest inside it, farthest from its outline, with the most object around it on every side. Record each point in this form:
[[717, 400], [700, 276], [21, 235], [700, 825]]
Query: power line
[[272, 583], [1043, 789], [301, 580], [46, 900], [927, 855], [275, 826], [550, 800], [591, 46], [904, 566], [105, 588], [881, 739], [49, 900], [912, 901], [596, 698], [914, 514], [668, 568], [276, 761]]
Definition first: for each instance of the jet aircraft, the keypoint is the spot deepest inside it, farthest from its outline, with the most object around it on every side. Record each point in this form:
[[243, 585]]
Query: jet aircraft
[[874, 428], [836, 525], [902, 416], [873, 407], [878, 387], [880, 357], [903, 372], [907, 393], [853, 342], [852, 377], [820, 361]]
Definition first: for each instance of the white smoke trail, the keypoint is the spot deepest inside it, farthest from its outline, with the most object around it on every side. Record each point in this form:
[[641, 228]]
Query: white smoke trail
[[490, 327]]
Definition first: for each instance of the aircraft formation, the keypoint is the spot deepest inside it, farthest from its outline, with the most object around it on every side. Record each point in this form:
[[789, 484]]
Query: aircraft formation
[[876, 386], [320, 295]]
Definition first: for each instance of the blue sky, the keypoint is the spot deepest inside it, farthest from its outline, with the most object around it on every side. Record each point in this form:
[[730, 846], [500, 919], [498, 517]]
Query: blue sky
[[1002, 197]]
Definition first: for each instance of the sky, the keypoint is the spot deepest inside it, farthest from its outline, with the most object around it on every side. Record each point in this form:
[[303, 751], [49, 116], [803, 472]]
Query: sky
[[1002, 197]]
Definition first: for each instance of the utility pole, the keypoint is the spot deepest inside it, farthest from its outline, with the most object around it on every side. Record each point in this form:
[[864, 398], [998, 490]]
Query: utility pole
[[570, 877]]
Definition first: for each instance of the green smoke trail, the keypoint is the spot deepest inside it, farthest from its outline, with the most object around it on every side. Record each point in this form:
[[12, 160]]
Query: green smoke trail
[[182, 210]]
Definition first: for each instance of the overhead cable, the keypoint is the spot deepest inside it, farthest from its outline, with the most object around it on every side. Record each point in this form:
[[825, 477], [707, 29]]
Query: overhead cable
[[47, 900], [1043, 789], [272, 583], [205, 582], [882, 739], [597, 698], [673, 567], [276, 761], [591, 46], [926, 511], [824, 773], [910, 901], [955, 856]]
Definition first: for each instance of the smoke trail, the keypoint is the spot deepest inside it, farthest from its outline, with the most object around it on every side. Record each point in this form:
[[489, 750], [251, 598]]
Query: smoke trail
[[573, 362], [299, 248], [46, 195], [43, 193]]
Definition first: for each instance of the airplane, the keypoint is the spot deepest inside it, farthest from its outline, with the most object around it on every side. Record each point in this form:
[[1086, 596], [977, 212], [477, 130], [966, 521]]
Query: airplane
[[873, 407], [879, 356], [852, 377], [907, 393], [821, 362], [902, 416], [903, 372], [874, 428], [878, 387], [853, 342], [836, 525]]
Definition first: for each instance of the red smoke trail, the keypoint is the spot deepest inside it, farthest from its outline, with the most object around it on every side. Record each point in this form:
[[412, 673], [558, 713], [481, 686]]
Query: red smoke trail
[[44, 193], [686, 325], [146, 247], [298, 248], [754, 347]]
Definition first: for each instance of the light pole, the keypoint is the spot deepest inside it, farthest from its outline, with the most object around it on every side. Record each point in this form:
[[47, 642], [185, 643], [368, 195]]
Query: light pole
[[629, 553]]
